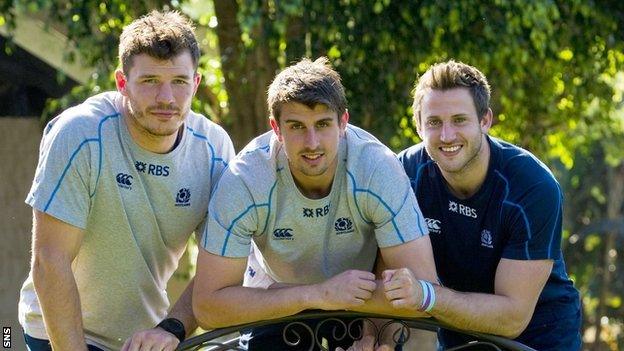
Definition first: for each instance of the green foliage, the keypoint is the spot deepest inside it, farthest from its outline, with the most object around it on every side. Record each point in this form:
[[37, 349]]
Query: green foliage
[[542, 68]]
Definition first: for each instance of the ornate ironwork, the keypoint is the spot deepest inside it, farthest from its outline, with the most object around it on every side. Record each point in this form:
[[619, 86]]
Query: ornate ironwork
[[291, 333]]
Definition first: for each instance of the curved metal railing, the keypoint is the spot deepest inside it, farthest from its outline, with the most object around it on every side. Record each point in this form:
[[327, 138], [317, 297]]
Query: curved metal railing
[[342, 329]]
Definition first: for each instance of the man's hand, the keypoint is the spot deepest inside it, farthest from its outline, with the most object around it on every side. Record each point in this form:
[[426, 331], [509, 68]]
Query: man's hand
[[155, 339], [346, 290], [402, 289], [367, 343]]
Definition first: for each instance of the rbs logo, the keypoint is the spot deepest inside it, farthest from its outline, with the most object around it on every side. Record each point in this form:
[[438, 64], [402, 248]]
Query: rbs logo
[[155, 170], [462, 209], [318, 212], [158, 170]]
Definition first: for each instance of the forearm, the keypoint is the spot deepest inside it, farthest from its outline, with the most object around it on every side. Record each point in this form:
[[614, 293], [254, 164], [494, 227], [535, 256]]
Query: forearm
[[379, 304], [183, 310], [485, 313], [239, 305], [60, 305]]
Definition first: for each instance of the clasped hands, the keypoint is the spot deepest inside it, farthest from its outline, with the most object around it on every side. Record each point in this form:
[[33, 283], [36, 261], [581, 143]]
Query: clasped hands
[[353, 288]]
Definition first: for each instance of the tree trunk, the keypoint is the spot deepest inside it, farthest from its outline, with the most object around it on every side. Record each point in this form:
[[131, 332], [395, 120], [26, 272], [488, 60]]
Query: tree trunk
[[247, 73], [615, 198], [295, 39]]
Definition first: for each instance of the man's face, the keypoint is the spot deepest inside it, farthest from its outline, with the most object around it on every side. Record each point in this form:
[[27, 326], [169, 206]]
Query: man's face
[[158, 93], [311, 138], [451, 130]]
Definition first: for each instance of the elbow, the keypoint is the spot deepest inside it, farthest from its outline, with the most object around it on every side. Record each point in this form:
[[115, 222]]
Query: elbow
[[206, 313], [47, 265], [39, 266], [515, 324], [202, 318]]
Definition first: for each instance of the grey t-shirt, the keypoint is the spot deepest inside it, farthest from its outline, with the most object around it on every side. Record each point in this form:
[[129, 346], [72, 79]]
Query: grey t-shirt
[[137, 210], [302, 240]]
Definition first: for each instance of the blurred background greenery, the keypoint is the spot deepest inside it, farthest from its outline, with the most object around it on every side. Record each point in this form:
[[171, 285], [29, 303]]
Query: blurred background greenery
[[555, 67]]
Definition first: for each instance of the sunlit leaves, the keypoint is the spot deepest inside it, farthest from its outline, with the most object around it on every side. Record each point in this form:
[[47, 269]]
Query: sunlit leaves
[[592, 241], [566, 54]]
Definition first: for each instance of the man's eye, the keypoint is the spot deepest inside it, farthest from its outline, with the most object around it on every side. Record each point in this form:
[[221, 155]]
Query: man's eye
[[322, 124]]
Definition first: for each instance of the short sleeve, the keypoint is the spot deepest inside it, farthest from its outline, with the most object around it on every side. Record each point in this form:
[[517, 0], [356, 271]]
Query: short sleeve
[[61, 187], [533, 219], [391, 205], [232, 218], [222, 154]]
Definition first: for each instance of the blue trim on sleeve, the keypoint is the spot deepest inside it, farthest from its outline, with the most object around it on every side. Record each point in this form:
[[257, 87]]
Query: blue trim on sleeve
[[58, 184], [419, 215], [214, 158], [522, 212], [71, 159], [266, 222], [229, 230], [97, 179], [367, 191], [356, 203], [263, 148]]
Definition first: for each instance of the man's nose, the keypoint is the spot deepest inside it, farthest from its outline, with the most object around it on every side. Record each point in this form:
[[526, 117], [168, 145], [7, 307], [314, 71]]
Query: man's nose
[[447, 133], [165, 94], [311, 139]]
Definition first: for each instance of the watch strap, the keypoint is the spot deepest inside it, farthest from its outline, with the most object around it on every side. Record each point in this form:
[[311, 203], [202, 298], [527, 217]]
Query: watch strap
[[173, 326]]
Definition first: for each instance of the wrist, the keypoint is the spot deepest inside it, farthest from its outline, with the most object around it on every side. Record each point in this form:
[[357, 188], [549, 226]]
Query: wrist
[[428, 296], [312, 298], [173, 326]]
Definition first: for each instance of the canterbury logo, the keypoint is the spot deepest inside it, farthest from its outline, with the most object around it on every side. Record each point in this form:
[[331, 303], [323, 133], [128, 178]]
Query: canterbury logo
[[283, 234], [433, 225], [124, 180]]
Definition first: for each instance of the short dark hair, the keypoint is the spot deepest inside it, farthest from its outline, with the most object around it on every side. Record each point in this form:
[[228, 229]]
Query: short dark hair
[[309, 83], [452, 74], [161, 35]]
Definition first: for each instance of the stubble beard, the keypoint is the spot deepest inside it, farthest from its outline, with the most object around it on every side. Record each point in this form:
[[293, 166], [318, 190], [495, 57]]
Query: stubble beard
[[138, 116]]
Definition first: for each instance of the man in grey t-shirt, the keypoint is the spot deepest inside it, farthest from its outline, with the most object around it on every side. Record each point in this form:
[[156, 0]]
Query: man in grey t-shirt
[[123, 180], [316, 198]]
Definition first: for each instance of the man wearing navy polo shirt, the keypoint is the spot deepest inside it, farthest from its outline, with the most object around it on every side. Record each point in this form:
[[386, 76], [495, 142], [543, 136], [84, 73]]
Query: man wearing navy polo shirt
[[494, 217]]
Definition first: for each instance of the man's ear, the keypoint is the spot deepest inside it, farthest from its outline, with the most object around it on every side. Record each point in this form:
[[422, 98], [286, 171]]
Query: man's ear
[[276, 129], [196, 80], [417, 125], [120, 81], [486, 121], [343, 120]]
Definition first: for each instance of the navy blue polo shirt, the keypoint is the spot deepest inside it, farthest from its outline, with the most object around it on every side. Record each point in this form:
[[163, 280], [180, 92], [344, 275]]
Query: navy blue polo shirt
[[516, 214]]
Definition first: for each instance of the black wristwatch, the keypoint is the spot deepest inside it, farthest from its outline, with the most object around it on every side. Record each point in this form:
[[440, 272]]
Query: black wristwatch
[[174, 326]]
